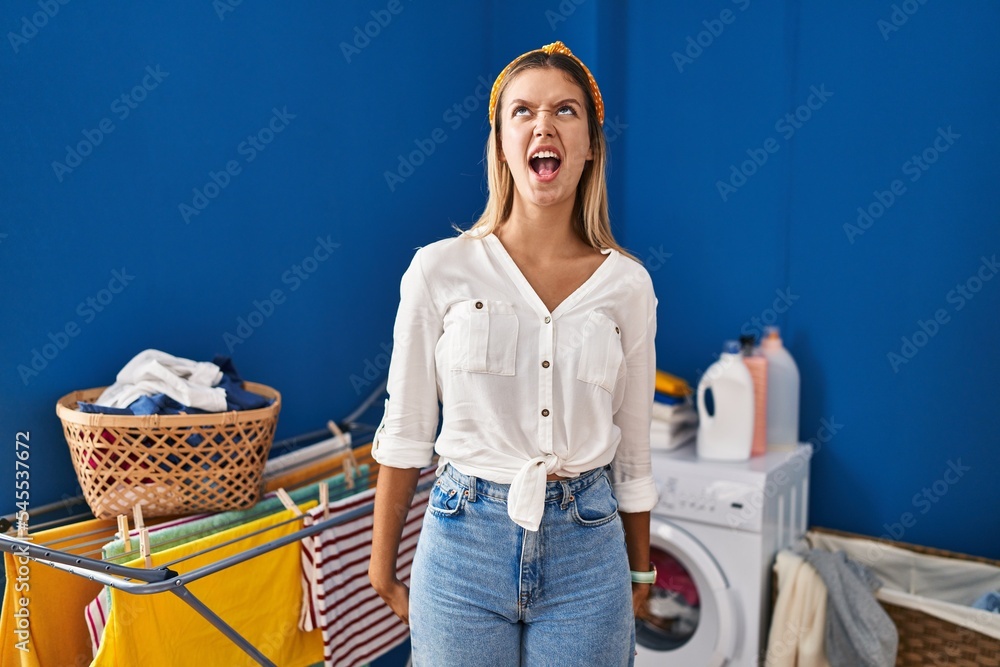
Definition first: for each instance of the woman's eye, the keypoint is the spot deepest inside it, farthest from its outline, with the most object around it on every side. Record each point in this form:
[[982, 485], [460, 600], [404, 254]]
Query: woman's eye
[[518, 110], [566, 109]]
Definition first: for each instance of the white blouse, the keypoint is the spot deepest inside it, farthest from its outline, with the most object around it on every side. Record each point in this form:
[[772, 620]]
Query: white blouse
[[524, 392]]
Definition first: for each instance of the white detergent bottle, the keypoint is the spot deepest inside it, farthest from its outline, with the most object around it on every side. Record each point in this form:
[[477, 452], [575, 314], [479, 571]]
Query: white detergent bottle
[[727, 434], [782, 392]]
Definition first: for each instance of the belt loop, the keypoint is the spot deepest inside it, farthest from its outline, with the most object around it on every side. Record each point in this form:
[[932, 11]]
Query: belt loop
[[567, 495], [473, 481]]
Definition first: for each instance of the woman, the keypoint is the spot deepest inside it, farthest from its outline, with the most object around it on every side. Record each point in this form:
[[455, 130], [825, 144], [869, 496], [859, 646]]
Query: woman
[[535, 330]]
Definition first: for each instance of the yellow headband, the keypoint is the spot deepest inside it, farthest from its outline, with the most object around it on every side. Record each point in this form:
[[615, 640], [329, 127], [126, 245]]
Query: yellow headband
[[554, 47]]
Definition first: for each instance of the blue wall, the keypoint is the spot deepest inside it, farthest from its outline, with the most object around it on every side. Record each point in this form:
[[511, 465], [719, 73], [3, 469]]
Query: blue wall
[[677, 124], [346, 114], [907, 446]]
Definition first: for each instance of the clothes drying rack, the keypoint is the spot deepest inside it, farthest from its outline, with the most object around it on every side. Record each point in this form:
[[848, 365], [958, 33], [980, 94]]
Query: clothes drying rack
[[141, 581]]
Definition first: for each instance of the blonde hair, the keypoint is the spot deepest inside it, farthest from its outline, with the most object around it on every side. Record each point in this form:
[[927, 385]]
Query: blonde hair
[[590, 217]]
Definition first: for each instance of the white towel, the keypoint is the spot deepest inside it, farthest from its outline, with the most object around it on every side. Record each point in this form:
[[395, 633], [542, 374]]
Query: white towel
[[190, 383], [665, 436], [675, 415], [799, 622]]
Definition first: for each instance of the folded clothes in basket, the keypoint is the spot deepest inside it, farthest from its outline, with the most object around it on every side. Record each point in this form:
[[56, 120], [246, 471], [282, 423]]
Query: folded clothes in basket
[[988, 602], [155, 383]]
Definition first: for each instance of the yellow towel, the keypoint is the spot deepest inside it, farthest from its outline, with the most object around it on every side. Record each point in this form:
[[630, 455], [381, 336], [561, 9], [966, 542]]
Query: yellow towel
[[260, 598], [671, 385], [55, 601]]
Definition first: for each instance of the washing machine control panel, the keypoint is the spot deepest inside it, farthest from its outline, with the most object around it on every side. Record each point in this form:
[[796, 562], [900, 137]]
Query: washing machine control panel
[[725, 503]]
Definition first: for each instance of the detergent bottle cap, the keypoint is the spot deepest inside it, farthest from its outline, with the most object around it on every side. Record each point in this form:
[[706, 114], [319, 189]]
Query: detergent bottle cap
[[731, 347], [746, 344], [772, 338]]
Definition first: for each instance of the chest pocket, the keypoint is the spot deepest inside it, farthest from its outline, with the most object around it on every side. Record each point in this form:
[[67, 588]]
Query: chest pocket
[[485, 337], [601, 354]]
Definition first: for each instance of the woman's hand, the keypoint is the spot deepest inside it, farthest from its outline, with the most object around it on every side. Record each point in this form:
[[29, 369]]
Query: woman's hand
[[640, 593], [393, 496], [395, 594]]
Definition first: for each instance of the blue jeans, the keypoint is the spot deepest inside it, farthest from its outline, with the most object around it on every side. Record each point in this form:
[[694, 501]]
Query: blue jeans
[[486, 592]]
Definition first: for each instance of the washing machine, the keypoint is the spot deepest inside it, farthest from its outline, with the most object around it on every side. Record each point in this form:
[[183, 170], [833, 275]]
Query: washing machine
[[713, 537]]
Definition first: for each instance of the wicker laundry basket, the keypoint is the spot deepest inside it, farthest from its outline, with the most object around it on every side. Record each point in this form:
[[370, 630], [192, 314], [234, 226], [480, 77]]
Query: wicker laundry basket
[[169, 464], [925, 639]]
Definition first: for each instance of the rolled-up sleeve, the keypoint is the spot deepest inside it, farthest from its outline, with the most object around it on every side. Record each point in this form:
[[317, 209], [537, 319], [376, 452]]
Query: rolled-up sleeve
[[631, 469], [405, 437]]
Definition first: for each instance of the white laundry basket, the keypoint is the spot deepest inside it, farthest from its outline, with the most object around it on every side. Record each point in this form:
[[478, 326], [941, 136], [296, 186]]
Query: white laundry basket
[[927, 593]]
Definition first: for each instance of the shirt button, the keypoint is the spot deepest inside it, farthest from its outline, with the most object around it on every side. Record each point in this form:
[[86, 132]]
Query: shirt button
[[547, 319], [479, 304], [545, 364], [617, 330], [545, 413]]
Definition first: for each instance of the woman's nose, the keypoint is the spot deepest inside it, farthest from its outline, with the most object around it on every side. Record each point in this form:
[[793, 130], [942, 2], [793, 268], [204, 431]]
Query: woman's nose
[[543, 125]]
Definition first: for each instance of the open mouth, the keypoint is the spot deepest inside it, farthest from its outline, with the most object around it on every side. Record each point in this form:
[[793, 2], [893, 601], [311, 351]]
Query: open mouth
[[545, 164]]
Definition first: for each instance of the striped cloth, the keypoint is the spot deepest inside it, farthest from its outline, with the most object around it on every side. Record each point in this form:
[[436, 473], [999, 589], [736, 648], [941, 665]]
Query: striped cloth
[[357, 626], [96, 614]]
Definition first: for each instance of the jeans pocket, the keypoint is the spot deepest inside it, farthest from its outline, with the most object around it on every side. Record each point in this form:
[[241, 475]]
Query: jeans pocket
[[601, 353], [595, 505], [447, 498], [485, 338]]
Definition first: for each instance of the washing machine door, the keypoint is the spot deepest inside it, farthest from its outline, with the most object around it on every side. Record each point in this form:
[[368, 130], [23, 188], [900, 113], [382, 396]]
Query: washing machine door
[[691, 615]]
